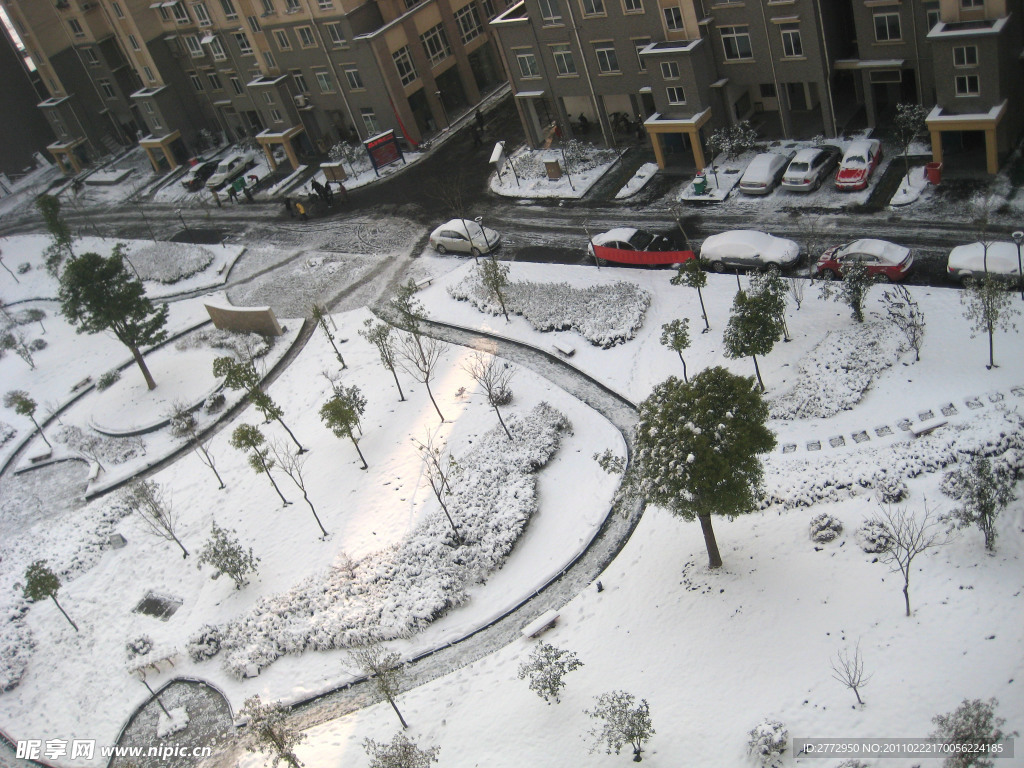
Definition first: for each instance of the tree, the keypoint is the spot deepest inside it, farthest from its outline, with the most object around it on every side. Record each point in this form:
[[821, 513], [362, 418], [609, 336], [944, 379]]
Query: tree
[[226, 554], [908, 124], [988, 308], [419, 356], [982, 493], [184, 426], [676, 336], [546, 668], [326, 323], [35, 315], [41, 582], [23, 405], [849, 670], [440, 467], [379, 334], [400, 753], [623, 722], [753, 328], [698, 446], [49, 208], [771, 290], [148, 499], [386, 671], [691, 274], [905, 314], [852, 290], [407, 309], [242, 374], [494, 278], [341, 415], [251, 441], [268, 730], [292, 464], [8, 269], [732, 140], [908, 536], [14, 341], [97, 294], [493, 377], [974, 722]]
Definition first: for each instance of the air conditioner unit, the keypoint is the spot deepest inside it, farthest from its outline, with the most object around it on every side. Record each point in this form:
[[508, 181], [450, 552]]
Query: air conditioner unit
[[300, 100]]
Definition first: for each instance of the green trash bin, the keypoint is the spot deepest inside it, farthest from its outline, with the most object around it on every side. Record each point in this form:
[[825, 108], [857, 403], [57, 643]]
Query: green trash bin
[[700, 184]]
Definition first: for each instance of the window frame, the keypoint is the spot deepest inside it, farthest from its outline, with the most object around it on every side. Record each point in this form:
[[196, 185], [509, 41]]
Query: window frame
[[118, 10], [216, 84], [180, 14], [632, 6], [247, 49], [324, 81], [966, 63], [468, 21], [550, 12], [671, 90], [527, 55], [597, 8], [369, 118], [197, 82], [202, 14], [639, 43], [436, 37], [282, 40], [354, 83], [966, 80], [303, 32], [236, 85], [336, 33], [672, 18], [107, 88], [230, 11], [405, 66], [195, 48], [792, 41], [733, 37], [299, 78], [607, 58], [275, 115], [666, 74], [887, 17], [148, 72], [76, 27], [217, 49], [562, 53]]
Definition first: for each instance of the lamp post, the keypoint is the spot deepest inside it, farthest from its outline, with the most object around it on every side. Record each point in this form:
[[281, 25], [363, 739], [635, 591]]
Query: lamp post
[[1018, 238], [487, 243], [138, 205], [182, 220]]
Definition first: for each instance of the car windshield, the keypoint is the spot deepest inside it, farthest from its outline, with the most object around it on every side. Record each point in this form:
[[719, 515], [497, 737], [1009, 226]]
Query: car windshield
[[641, 240], [855, 160], [799, 167]]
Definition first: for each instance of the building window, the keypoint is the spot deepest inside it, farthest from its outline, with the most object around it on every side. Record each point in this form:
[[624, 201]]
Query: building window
[[355, 80], [323, 80], [268, 97], [669, 70], [90, 56], [147, 107], [972, 3], [180, 13], [214, 79], [229, 9], [133, 42], [489, 11], [792, 45], [149, 74], [370, 121], [550, 12], [593, 7], [403, 63], [640, 43], [334, 32], [326, 5], [195, 50], [117, 10], [300, 81], [254, 24], [607, 61], [268, 7], [469, 23], [887, 27], [564, 63], [675, 95], [933, 17], [306, 38], [202, 15], [767, 90], [965, 56], [218, 50], [236, 86], [275, 116], [268, 59], [736, 42], [197, 82], [632, 6], [283, 42], [673, 18], [244, 46], [291, 6], [108, 89], [968, 85], [76, 27], [527, 64], [435, 44]]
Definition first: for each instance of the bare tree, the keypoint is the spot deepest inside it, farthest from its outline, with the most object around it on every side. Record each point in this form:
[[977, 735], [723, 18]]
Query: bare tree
[[440, 468], [909, 536], [849, 670], [494, 278], [905, 314], [8, 269], [385, 669], [379, 334], [292, 464], [14, 340], [797, 285], [149, 500], [493, 376], [183, 425], [328, 326], [418, 356]]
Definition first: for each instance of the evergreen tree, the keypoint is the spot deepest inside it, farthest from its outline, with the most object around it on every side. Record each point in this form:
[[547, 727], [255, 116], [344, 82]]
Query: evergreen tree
[[268, 730], [691, 274], [971, 724], [546, 668], [676, 336], [23, 405], [773, 292], [988, 308], [49, 207], [379, 334], [226, 554], [982, 492], [623, 722], [852, 290], [41, 582], [753, 328], [250, 440], [400, 753], [341, 415], [908, 124], [242, 375], [494, 278]]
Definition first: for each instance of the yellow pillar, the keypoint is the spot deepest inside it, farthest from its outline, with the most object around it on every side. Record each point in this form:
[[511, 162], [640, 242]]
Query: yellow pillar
[[659, 155], [698, 150], [289, 150], [270, 157], [171, 162], [152, 160], [936, 146], [991, 151]]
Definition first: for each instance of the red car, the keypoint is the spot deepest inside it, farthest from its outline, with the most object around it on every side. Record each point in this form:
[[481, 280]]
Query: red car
[[858, 164], [884, 260]]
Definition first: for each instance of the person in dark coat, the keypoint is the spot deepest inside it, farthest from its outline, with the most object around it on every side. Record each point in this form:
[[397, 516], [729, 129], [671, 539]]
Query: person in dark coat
[[318, 188], [288, 207], [248, 194], [328, 194], [584, 123], [477, 141], [479, 120]]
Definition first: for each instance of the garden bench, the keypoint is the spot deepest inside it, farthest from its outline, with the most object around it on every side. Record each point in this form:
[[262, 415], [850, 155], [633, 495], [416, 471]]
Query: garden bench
[[421, 284], [154, 664], [82, 384], [564, 349], [927, 427], [543, 622]]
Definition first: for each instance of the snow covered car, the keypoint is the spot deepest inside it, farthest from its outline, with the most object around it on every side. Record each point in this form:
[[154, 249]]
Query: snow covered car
[[749, 249], [883, 259], [464, 236], [809, 168], [969, 261], [859, 162], [230, 168], [764, 172]]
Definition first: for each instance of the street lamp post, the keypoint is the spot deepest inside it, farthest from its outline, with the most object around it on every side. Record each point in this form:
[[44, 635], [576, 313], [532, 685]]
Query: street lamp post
[[148, 225], [182, 220], [487, 243], [1018, 238]]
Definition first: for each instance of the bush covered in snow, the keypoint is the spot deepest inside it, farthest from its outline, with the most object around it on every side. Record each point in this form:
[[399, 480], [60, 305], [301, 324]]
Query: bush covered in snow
[[834, 376], [890, 489], [205, 644], [170, 262], [6, 432], [108, 379], [24, 268], [825, 528], [37, 345], [16, 644], [243, 345], [605, 315], [768, 741], [973, 722], [214, 402], [92, 445], [580, 157], [873, 536], [394, 592], [140, 646]]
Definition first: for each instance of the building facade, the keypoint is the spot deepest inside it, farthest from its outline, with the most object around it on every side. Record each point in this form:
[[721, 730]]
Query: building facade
[[25, 131]]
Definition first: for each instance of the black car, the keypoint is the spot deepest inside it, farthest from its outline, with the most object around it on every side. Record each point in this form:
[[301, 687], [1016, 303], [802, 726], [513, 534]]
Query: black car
[[196, 178]]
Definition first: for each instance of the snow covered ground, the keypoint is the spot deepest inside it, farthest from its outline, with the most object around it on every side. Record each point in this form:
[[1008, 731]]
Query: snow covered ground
[[524, 173]]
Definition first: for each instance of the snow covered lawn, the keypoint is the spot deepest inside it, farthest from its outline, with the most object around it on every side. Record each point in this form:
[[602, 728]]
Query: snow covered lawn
[[524, 175]]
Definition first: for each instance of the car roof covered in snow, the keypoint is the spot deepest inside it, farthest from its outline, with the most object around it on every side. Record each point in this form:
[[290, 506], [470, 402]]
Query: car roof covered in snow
[[882, 249], [861, 149], [740, 241], [614, 235], [1002, 258]]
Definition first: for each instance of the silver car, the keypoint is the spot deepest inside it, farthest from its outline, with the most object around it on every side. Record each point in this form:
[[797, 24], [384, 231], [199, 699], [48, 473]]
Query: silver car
[[810, 167], [764, 172]]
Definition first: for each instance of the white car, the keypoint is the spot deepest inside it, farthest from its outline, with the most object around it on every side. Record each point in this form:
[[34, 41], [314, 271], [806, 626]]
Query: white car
[[764, 172], [464, 236], [968, 261], [748, 249], [231, 167], [810, 167]]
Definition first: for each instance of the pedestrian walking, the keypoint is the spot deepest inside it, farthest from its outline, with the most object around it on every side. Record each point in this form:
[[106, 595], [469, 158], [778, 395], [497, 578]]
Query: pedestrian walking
[[301, 211], [479, 120], [328, 194], [477, 141], [584, 124], [342, 192], [318, 190], [248, 194], [232, 193], [288, 207]]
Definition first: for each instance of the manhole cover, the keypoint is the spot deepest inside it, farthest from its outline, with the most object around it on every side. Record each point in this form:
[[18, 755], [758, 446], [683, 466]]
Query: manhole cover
[[837, 441], [883, 430], [949, 410], [860, 437], [158, 606]]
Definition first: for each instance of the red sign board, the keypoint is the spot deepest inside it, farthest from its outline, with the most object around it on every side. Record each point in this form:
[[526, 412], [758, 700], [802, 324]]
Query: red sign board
[[642, 257], [383, 149]]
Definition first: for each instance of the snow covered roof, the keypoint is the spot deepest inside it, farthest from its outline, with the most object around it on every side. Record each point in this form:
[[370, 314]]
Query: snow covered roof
[[743, 242], [883, 250], [1002, 257]]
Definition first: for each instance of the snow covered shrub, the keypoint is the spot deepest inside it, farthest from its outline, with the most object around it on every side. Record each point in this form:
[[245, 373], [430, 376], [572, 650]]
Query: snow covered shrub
[[546, 668], [890, 489], [214, 402], [108, 379], [97, 447], [37, 345], [973, 722], [502, 396], [23, 268], [825, 528], [6, 432], [245, 346], [170, 262], [16, 644], [768, 741], [873, 537], [205, 644], [605, 315], [140, 646]]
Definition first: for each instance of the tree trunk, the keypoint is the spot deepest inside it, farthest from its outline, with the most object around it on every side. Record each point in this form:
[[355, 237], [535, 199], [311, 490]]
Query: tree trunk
[[394, 707], [313, 510], [500, 421], [704, 312], [40, 430], [714, 558], [270, 477], [501, 301], [54, 598], [906, 595], [685, 378], [361, 457], [991, 358], [281, 422], [427, 384], [205, 456], [757, 369], [142, 366], [401, 394], [184, 552], [857, 694]]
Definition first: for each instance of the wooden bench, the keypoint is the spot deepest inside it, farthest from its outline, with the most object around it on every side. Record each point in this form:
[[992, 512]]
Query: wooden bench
[[564, 349], [82, 384], [927, 427], [421, 284], [543, 622]]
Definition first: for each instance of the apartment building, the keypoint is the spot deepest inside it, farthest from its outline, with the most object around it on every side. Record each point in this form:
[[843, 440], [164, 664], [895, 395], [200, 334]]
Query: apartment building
[[25, 132], [796, 68]]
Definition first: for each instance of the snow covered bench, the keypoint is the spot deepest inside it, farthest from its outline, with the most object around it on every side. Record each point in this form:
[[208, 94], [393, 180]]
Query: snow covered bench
[[543, 622], [421, 284], [153, 665], [82, 384], [564, 349], [927, 427]]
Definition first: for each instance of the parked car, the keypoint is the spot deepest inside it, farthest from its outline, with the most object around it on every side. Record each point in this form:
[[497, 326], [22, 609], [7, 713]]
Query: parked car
[[810, 167], [629, 239], [883, 259], [464, 236], [764, 172], [969, 261], [230, 168], [748, 248], [859, 162], [197, 177]]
